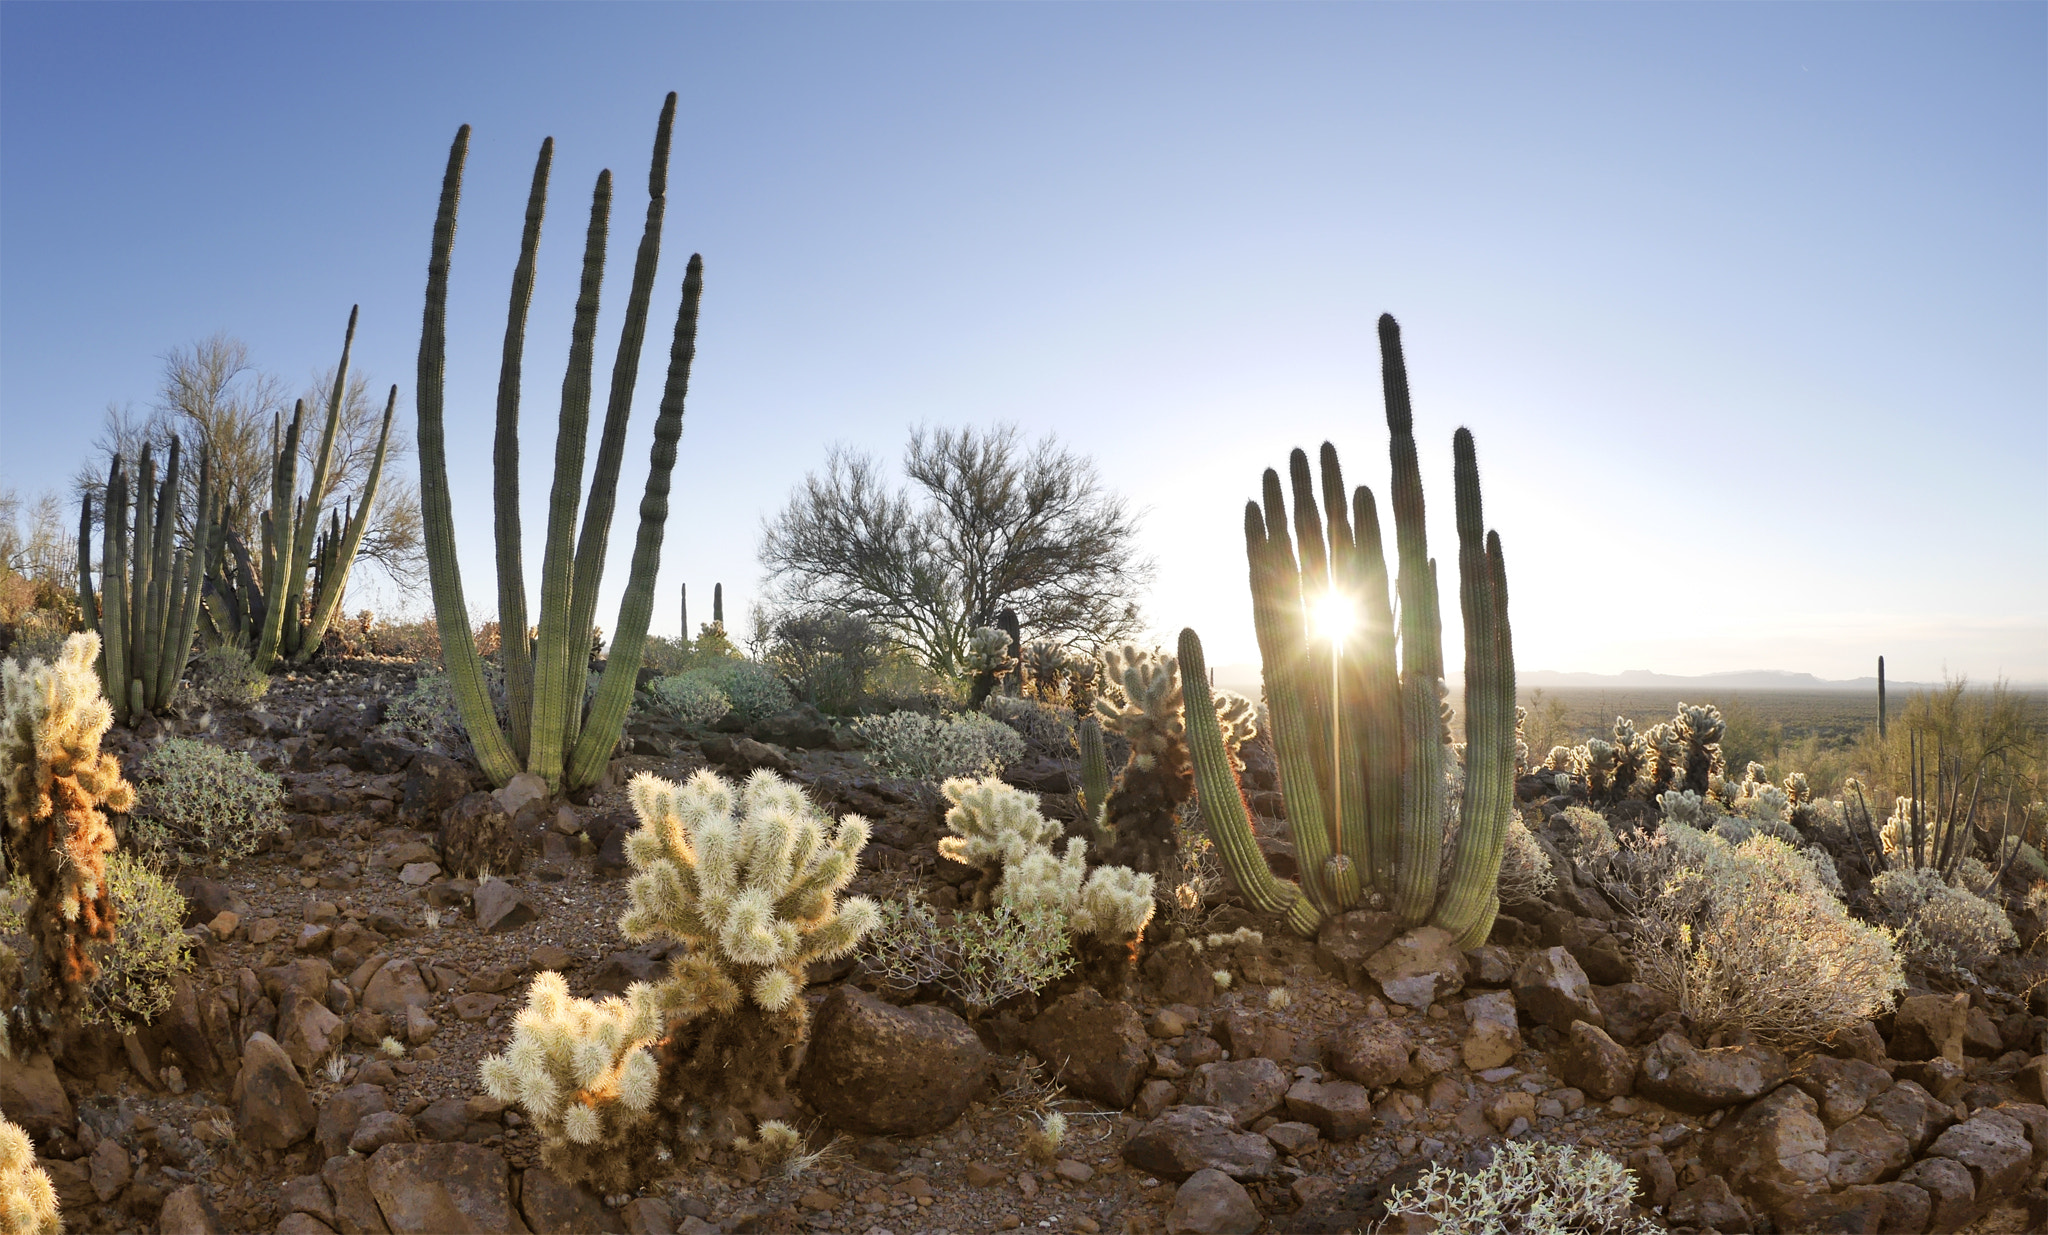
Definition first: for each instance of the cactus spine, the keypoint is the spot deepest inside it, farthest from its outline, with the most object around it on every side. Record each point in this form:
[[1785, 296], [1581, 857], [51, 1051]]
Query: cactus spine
[[147, 607], [551, 735], [1390, 740]]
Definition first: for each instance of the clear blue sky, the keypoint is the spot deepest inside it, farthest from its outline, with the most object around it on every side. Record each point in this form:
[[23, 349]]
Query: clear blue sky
[[1746, 304]]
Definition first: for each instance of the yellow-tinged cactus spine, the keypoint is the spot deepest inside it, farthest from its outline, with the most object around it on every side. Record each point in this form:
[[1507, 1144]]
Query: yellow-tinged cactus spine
[[999, 829], [59, 790], [28, 1201], [748, 880]]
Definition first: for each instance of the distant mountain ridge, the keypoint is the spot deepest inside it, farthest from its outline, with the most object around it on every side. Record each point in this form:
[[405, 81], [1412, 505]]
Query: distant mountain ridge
[[1245, 678]]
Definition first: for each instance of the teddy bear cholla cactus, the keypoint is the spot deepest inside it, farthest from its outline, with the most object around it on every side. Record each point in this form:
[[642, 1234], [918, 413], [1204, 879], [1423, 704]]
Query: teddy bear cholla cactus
[[1142, 701], [28, 1202], [59, 788], [750, 883]]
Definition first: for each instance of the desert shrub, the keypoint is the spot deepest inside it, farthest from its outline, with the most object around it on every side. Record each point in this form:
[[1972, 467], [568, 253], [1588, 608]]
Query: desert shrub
[[1048, 731], [205, 800], [149, 948], [1940, 925], [1528, 1189], [753, 690], [979, 959], [691, 700], [827, 656], [39, 634], [428, 714], [1749, 937], [665, 656], [1590, 839], [1525, 873], [223, 677], [416, 640], [938, 748]]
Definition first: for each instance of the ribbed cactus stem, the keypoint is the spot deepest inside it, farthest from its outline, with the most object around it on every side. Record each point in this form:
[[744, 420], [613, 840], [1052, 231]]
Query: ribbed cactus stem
[[345, 541], [593, 748], [437, 518], [1222, 801], [514, 651], [279, 552], [114, 590], [611, 447], [1094, 769], [558, 645], [142, 547]]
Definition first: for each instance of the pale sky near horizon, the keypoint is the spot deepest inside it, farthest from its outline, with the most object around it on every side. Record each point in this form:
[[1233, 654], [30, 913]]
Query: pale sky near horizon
[[1747, 305]]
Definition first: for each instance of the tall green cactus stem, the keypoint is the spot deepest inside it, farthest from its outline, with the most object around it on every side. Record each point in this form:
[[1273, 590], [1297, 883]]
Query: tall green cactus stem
[[1387, 728], [604, 485], [718, 605], [560, 744], [1094, 771], [514, 651], [147, 606], [343, 543], [277, 547]]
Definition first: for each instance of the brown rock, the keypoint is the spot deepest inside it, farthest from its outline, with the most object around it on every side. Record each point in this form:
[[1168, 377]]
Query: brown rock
[[1095, 1047], [311, 1032], [307, 1194], [1631, 1009], [1179, 974], [1681, 1075], [1551, 989], [1842, 1087], [1371, 1050], [432, 1189], [1865, 1151], [272, 1108], [33, 1097], [500, 907], [884, 1070], [188, 1212], [381, 1128], [340, 1114], [1930, 1026], [1776, 1149], [649, 1215], [1212, 1203], [1348, 940], [72, 1182], [1339, 1109], [355, 1209], [1856, 1209], [1153, 1097], [552, 1207], [1710, 1205], [181, 1028], [1418, 967], [109, 1169], [432, 784], [1247, 1088], [1490, 966], [1911, 1112], [1187, 1139], [1953, 1194], [303, 1224], [1493, 1034], [1596, 1063], [1994, 1146], [395, 987]]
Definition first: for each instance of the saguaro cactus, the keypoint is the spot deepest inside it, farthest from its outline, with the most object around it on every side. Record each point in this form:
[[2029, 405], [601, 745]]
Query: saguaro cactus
[[1367, 800], [550, 734]]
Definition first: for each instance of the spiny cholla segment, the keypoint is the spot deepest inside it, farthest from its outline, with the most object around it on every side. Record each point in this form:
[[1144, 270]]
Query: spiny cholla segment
[[988, 651], [754, 892], [582, 1070], [1141, 700], [1002, 832], [59, 788], [28, 1202]]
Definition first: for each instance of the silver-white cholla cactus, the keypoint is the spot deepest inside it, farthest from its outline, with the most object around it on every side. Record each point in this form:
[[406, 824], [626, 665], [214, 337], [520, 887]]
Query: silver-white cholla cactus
[[998, 828], [1141, 699], [988, 650], [749, 882]]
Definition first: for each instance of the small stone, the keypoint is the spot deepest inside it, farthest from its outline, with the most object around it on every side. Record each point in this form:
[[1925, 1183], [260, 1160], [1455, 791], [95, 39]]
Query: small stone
[[1212, 1203], [419, 874], [1294, 1138], [224, 924], [982, 1175], [500, 907], [1072, 1171]]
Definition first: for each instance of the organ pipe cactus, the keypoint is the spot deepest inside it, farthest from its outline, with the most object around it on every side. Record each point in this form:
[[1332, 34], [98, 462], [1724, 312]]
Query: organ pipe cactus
[[1383, 845], [147, 607], [1094, 770], [550, 733]]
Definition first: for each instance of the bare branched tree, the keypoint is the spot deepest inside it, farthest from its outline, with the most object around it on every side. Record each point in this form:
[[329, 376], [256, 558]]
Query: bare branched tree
[[992, 525], [393, 540]]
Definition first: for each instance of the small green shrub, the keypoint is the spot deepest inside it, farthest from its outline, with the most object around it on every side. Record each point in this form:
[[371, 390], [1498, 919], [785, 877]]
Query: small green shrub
[[39, 634], [827, 656], [939, 748], [1048, 731], [692, 700], [149, 949], [753, 690], [224, 678], [979, 959], [1942, 926], [1525, 873], [205, 800], [1528, 1189]]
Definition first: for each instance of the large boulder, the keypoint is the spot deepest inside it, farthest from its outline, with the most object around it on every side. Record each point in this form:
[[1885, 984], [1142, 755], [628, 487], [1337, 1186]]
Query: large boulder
[[1596, 1063], [340, 1114], [1493, 1034], [1347, 941], [886, 1071], [433, 784], [1776, 1149], [394, 987], [1689, 1078], [1930, 1027], [32, 1096], [1865, 1150], [272, 1108], [1551, 989], [1842, 1087], [1912, 1112], [1096, 1048], [1339, 1109], [438, 1188], [1419, 967], [552, 1207], [1212, 1203], [1186, 1139], [1247, 1088], [1371, 1050], [1994, 1146]]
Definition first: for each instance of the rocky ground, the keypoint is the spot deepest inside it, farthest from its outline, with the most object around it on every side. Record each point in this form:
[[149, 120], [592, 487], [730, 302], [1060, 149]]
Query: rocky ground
[[1324, 1073]]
